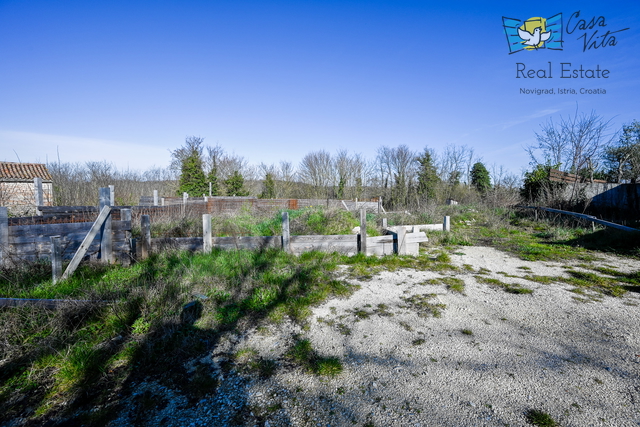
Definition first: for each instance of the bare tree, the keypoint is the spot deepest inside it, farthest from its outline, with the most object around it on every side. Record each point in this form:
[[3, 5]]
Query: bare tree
[[76, 184], [456, 163], [344, 168], [286, 175], [316, 169], [397, 172], [362, 175], [575, 144], [623, 157], [192, 145]]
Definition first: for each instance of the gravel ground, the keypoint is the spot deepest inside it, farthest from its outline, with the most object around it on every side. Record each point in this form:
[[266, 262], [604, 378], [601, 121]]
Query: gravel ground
[[575, 359]]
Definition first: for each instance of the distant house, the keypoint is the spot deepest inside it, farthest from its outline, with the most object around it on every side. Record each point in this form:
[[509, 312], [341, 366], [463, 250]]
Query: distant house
[[17, 187]]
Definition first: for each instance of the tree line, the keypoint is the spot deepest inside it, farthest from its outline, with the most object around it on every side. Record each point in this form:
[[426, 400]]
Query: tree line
[[401, 176], [581, 144]]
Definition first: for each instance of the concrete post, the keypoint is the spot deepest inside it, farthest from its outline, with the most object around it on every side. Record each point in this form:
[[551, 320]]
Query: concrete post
[[39, 201], [145, 246], [4, 235], [363, 230], [446, 226], [286, 239], [207, 244], [402, 240], [106, 242], [125, 215], [56, 258]]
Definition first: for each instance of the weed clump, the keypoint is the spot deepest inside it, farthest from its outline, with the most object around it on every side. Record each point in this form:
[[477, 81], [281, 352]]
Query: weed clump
[[422, 305], [540, 418], [303, 354], [512, 288]]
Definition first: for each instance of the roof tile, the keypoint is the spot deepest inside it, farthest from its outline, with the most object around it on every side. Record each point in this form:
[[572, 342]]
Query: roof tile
[[11, 171]]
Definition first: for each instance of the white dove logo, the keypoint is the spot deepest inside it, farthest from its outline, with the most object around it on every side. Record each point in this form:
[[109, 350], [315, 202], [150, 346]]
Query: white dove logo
[[534, 33], [534, 39]]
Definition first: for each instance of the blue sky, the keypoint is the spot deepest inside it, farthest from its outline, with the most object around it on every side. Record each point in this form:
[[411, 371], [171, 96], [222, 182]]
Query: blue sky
[[127, 81]]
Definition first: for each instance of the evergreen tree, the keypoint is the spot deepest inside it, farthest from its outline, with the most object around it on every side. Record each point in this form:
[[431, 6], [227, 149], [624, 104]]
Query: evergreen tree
[[212, 177], [269, 190], [341, 184], [235, 185], [427, 175], [192, 179], [480, 178]]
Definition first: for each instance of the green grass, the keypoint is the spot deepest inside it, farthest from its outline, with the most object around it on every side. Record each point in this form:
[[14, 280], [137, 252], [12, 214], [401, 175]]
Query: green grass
[[149, 319], [304, 355], [453, 283], [612, 286], [540, 418], [423, 306], [512, 288], [305, 221]]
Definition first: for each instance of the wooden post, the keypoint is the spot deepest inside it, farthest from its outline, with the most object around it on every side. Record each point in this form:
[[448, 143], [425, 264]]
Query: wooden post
[[155, 197], [56, 259], [84, 246], [286, 238], [402, 240], [106, 239], [4, 235], [145, 247], [112, 195], [125, 215], [206, 234], [37, 185], [379, 203], [363, 230], [446, 226]]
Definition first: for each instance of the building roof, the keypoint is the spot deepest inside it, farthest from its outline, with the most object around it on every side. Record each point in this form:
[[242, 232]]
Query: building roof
[[12, 171]]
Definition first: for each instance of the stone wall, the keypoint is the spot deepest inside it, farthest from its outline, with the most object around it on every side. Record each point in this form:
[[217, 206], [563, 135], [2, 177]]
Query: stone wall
[[20, 197]]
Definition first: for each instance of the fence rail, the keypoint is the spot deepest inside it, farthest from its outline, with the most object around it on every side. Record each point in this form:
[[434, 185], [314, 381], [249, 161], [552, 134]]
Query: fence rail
[[591, 218]]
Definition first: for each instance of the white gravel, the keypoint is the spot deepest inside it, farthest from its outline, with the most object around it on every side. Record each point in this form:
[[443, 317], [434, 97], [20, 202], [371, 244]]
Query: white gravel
[[577, 361]]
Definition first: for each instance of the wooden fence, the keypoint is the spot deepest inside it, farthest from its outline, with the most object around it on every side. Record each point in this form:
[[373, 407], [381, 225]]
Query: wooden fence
[[559, 176]]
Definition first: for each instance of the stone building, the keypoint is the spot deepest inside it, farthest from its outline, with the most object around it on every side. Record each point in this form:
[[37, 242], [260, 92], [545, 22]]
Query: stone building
[[18, 187]]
